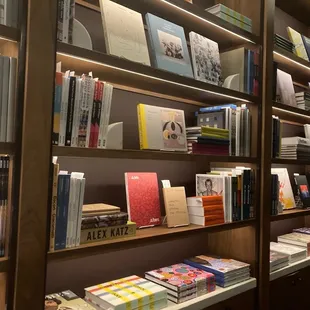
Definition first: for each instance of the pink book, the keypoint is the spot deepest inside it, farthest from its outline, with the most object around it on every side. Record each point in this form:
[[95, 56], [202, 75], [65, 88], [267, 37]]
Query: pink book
[[98, 114], [93, 116]]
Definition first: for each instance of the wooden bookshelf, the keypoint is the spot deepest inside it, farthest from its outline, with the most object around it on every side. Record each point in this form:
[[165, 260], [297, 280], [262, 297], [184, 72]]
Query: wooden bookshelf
[[7, 148], [9, 33], [283, 161], [143, 236], [124, 73], [140, 154], [289, 214], [4, 264], [292, 112]]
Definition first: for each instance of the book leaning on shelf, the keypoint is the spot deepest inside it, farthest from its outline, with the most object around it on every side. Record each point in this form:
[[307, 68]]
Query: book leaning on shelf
[[82, 108], [65, 18]]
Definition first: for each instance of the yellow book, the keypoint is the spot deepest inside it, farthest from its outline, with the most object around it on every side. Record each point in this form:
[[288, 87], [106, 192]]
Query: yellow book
[[296, 39]]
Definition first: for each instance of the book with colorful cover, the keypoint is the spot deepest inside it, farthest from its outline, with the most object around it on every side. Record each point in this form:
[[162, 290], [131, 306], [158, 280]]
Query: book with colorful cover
[[131, 292], [278, 258], [143, 198], [296, 39], [295, 253], [105, 220], [169, 46], [65, 300], [298, 239], [303, 230]]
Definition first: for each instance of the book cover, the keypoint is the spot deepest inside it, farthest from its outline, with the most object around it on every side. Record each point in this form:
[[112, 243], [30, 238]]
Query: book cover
[[206, 59], [130, 292], [210, 185], [65, 300], [212, 119], [94, 115], [57, 107], [124, 32], [169, 46], [299, 239], [304, 230], [120, 218], [71, 101], [143, 198], [296, 39], [161, 128], [182, 277], [99, 209], [293, 251], [285, 88], [306, 42], [286, 195], [108, 233], [303, 189], [175, 205]]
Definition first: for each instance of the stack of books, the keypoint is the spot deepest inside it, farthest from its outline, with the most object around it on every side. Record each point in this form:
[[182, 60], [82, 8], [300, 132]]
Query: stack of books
[[192, 134], [231, 16], [206, 210], [102, 222], [213, 141], [294, 253], [277, 261], [303, 230], [295, 148], [297, 239], [131, 292], [276, 136], [303, 100], [227, 271], [283, 43], [182, 281]]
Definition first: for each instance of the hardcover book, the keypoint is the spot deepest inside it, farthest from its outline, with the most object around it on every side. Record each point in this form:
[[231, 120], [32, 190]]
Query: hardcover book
[[285, 88], [303, 190], [65, 300], [286, 195], [295, 253], [120, 218], [99, 209], [210, 185], [169, 46], [143, 198], [299, 239], [131, 292], [296, 39], [206, 59], [161, 128], [277, 258], [124, 32]]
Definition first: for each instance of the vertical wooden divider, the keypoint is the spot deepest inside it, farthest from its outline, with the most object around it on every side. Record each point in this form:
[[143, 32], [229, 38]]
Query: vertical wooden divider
[[267, 31], [35, 155]]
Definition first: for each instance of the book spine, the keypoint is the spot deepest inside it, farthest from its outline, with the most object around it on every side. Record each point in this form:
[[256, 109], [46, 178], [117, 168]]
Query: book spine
[[94, 115], [11, 100], [66, 195], [54, 207], [59, 212], [60, 21], [74, 212], [239, 198], [234, 190], [66, 21], [246, 194], [251, 197], [76, 114], [217, 108], [89, 98], [71, 19], [105, 125], [142, 127], [79, 215], [57, 108], [70, 212], [98, 116], [70, 112], [4, 98], [63, 111]]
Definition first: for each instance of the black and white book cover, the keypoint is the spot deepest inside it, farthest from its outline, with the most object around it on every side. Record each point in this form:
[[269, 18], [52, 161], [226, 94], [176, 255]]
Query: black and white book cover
[[206, 59]]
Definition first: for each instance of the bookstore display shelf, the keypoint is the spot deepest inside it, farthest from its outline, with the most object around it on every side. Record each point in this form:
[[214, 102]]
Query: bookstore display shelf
[[288, 214], [219, 295], [7, 148], [143, 236], [289, 269], [283, 161], [9, 34], [291, 63], [140, 154], [125, 74], [4, 264], [291, 111]]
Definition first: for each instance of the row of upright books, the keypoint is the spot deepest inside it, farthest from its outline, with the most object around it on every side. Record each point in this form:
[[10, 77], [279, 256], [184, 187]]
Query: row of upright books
[[177, 283], [168, 45]]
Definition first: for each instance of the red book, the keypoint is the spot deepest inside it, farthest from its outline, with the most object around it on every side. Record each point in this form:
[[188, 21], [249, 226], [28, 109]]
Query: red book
[[143, 198], [98, 114], [93, 117]]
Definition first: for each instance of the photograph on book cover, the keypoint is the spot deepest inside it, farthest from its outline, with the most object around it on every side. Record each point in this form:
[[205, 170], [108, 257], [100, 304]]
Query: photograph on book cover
[[207, 185], [171, 46]]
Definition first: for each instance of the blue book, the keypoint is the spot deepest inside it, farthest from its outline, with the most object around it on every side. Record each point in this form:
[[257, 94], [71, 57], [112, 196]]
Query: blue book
[[306, 41], [63, 192], [217, 108], [169, 46]]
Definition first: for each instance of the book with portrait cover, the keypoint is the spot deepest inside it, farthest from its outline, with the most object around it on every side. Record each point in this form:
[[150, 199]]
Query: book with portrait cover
[[65, 300], [210, 185], [143, 198], [124, 32], [206, 59], [169, 46]]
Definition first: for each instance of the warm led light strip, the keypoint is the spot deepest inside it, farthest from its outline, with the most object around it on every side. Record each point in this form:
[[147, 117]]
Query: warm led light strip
[[286, 111], [207, 21], [291, 60], [152, 77], [7, 39]]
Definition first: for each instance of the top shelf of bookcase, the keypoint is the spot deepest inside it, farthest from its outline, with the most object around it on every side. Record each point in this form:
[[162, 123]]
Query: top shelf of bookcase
[[191, 17], [128, 75], [9, 33], [299, 9]]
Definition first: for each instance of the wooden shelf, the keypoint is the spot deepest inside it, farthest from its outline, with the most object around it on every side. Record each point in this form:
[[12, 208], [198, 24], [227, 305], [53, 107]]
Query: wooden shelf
[[128, 75], [292, 112], [143, 236], [7, 148], [139, 154], [299, 9], [283, 161], [219, 295], [4, 264], [9, 33], [289, 214]]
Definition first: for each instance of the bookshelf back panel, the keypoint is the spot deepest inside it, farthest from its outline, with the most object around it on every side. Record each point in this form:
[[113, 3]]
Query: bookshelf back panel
[[279, 228]]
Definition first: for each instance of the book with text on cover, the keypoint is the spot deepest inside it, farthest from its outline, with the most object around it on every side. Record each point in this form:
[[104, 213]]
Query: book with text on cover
[[143, 198]]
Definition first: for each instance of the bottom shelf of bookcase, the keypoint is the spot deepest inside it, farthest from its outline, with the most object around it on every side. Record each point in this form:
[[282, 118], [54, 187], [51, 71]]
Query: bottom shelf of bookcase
[[219, 295], [290, 269]]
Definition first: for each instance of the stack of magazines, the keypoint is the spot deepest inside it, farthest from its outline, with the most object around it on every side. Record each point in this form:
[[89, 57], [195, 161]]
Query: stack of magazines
[[295, 148], [283, 43], [278, 260], [294, 252]]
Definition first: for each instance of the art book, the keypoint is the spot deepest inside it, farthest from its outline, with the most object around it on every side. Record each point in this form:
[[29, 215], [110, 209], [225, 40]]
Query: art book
[[124, 32], [182, 277], [295, 253], [304, 230], [303, 190], [285, 88], [161, 128], [286, 195], [206, 59], [169, 46], [143, 198], [210, 185], [296, 39], [65, 300]]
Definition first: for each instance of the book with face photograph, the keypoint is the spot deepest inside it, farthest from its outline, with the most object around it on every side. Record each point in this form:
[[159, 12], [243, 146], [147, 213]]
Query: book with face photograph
[[169, 46], [209, 185]]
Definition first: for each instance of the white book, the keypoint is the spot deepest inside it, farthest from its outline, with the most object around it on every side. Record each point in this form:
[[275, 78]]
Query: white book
[[228, 200], [295, 141], [70, 208], [79, 214], [90, 90], [295, 253], [198, 211], [194, 202], [8, 12], [66, 21], [76, 113], [197, 220], [238, 127], [11, 101], [4, 97], [307, 130], [64, 109], [2, 12], [124, 32], [285, 88]]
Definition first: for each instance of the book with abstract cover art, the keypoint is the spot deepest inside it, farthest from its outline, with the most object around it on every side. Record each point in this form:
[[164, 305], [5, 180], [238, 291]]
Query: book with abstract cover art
[[124, 32], [296, 39], [210, 185], [303, 190], [286, 195], [161, 128], [65, 300], [143, 198], [285, 88], [169, 46], [206, 59]]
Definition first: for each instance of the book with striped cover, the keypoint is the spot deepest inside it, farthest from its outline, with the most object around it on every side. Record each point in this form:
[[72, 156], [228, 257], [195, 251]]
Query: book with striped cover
[[127, 293]]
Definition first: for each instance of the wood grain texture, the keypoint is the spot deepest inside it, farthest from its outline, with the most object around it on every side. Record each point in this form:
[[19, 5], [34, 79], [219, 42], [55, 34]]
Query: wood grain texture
[[3, 290], [290, 214], [36, 155]]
